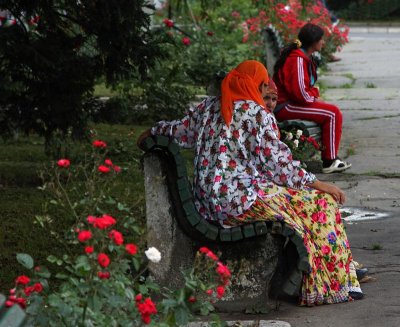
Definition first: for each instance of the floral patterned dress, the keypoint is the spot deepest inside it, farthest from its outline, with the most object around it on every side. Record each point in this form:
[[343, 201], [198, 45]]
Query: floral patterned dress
[[244, 173]]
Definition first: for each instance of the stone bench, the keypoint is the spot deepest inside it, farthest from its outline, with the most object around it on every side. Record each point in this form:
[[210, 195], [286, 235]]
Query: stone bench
[[256, 252], [11, 317]]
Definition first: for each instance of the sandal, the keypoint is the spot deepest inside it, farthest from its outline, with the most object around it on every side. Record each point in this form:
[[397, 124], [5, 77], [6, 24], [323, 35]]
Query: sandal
[[336, 166]]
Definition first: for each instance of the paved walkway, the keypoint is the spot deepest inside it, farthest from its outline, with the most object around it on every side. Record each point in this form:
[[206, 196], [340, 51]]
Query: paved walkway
[[366, 85]]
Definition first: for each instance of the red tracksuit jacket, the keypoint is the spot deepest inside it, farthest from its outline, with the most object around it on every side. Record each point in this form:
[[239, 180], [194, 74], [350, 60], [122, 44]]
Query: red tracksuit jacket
[[296, 78]]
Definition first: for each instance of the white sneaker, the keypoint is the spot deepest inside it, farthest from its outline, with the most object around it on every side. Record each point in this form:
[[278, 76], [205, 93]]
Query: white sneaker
[[337, 166]]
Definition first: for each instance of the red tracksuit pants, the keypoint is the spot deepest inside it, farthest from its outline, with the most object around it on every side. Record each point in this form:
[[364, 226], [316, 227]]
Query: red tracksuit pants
[[327, 115]]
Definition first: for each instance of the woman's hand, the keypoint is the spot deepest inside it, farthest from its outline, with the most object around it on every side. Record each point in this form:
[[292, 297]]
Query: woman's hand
[[331, 189], [142, 136]]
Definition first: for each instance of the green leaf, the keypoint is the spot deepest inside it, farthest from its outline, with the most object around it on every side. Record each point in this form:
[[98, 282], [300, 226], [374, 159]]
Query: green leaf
[[52, 258], [82, 262], [61, 276], [181, 316], [43, 272], [136, 263], [25, 259]]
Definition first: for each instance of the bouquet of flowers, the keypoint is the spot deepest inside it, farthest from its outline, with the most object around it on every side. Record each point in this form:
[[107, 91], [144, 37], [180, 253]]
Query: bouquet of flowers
[[303, 148]]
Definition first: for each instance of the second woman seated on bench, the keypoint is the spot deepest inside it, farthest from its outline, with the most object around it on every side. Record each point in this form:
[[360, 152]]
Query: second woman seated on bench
[[295, 75]]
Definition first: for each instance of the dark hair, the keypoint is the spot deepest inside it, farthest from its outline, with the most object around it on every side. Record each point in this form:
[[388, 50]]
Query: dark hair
[[308, 35]]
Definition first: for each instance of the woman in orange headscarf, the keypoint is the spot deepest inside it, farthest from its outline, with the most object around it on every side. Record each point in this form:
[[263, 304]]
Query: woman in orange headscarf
[[244, 173]]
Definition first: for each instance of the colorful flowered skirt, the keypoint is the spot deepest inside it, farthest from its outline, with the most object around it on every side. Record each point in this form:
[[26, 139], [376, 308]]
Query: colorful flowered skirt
[[315, 216]]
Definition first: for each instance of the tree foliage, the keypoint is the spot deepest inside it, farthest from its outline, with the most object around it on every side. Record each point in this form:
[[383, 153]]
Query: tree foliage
[[48, 69]]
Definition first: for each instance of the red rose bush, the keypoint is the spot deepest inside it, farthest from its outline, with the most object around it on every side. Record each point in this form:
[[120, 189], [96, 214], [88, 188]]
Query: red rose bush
[[101, 279]]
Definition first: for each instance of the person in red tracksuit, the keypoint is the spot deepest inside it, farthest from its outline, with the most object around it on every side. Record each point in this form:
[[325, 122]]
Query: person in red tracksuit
[[295, 74]]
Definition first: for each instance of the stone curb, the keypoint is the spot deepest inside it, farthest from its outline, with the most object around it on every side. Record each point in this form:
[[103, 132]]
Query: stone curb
[[246, 323], [374, 29]]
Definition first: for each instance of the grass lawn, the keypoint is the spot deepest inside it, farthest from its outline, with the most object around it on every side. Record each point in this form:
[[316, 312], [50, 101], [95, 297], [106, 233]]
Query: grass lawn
[[21, 200]]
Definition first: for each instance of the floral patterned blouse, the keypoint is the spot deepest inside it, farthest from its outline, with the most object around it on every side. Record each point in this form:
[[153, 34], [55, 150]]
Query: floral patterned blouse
[[235, 164]]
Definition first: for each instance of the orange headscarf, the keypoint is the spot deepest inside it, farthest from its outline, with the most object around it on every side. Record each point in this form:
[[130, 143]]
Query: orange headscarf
[[242, 83]]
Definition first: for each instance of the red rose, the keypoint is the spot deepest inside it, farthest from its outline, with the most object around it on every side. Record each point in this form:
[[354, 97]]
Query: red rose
[[22, 280], [184, 138], [209, 33], [232, 164], [223, 189], [89, 249], [243, 199], [186, 41], [103, 275], [146, 309], [38, 287], [204, 163], [168, 22], [222, 148], [301, 172], [192, 299], [204, 249], [212, 256], [117, 169], [84, 235], [104, 222], [236, 134], [108, 162], [220, 291], [209, 292], [103, 260], [64, 163], [28, 290], [116, 237], [131, 248], [257, 150], [103, 169], [99, 144], [138, 298], [223, 271]]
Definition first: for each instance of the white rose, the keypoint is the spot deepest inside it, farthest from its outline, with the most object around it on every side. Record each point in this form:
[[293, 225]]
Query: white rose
[[296, 143], [153, 254], [289, 136], [299, 133]]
